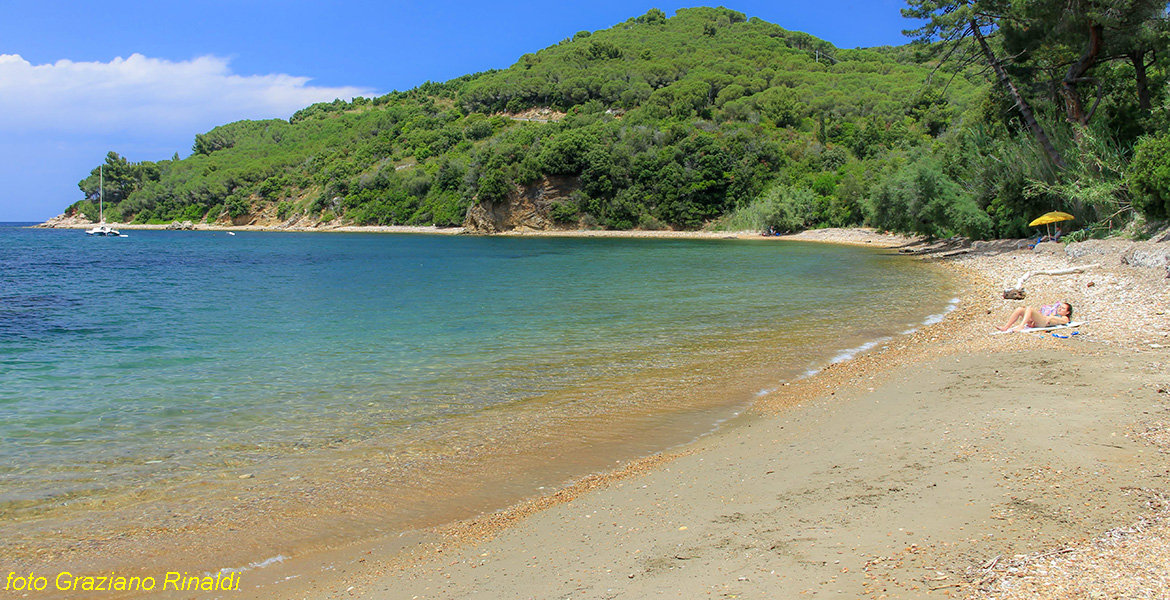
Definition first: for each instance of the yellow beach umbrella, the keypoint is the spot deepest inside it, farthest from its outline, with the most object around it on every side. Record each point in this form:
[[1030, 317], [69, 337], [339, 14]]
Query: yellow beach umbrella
[[1052, 217], [1049, 218]]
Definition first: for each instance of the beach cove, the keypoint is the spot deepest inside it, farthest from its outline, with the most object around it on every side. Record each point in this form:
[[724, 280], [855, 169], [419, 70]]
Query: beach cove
[[952, 463], [887, 475], [200, 403], [549, 339]]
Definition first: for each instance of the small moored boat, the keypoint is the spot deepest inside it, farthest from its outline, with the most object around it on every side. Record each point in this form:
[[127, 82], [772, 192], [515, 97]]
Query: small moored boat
[[102, 229]]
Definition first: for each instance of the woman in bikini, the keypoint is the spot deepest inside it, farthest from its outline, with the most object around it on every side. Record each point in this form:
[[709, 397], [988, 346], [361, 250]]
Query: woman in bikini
[[1045, 316]]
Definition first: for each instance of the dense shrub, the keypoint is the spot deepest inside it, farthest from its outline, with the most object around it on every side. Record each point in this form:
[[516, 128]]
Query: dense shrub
[[1149, 176], [919, 198], [780, 209]]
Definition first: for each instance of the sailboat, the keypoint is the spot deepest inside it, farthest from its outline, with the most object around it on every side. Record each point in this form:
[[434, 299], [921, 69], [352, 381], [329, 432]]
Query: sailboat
[[102, 229]]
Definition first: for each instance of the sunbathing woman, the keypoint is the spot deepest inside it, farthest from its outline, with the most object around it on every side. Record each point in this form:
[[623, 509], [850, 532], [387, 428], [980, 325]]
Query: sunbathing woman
[[1045, 316]]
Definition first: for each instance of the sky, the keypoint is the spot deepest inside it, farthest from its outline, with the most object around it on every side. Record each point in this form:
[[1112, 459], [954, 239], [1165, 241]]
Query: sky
[[79, 79]]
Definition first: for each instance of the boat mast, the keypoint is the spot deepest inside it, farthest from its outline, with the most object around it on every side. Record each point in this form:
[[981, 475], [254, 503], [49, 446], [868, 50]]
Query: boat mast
[[101, 195]]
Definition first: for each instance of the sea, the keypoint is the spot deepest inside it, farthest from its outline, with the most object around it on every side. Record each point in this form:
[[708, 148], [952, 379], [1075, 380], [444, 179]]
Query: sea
[[304, 390]]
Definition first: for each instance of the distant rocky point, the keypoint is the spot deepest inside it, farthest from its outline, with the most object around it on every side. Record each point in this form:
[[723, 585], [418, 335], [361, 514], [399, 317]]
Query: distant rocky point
[[66, 221]]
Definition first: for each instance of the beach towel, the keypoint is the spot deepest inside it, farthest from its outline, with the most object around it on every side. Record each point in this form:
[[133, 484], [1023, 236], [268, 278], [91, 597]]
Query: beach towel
[[1035, 329]]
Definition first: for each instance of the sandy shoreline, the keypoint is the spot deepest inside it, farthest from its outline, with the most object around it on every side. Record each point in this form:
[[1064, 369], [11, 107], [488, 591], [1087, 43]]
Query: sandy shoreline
[[948, 463], [902, 473], [852, 236]]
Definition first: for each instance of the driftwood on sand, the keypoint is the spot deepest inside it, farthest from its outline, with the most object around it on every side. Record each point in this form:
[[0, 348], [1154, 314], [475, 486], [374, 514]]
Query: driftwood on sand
[[1018, 293]]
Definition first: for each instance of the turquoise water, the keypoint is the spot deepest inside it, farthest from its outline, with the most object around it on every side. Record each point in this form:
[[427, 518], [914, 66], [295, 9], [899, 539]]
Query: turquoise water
[[129, 360]]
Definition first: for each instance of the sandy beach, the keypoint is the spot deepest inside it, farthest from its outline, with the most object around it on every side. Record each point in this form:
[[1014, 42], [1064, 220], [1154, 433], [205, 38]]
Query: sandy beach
[[857, 236], [946, 463]]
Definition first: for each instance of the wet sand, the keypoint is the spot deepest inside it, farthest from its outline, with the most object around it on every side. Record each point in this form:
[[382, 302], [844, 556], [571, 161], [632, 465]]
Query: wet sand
[[858, 494]]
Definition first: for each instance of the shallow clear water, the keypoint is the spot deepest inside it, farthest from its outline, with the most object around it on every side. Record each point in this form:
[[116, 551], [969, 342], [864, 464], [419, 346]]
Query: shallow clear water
[[124, 360]]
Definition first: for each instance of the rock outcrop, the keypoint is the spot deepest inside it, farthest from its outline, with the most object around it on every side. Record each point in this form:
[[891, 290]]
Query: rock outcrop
[[526, 208], [67, 221]]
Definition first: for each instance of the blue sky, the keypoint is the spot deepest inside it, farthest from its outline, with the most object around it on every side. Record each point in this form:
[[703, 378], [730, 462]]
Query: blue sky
[[78, 79]]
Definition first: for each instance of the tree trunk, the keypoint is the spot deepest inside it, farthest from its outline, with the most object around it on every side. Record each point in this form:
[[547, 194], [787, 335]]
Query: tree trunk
[[1138, 58], [1073, 106], [1021, 104]]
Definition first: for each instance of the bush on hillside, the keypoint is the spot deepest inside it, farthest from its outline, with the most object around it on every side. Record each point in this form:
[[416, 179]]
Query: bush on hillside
[[919, 198]]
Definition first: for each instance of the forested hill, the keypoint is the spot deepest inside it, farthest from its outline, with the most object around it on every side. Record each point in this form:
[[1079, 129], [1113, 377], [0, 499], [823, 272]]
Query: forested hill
[[656, 122]]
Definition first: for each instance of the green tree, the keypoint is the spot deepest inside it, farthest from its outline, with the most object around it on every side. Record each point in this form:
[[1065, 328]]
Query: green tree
[[494, 187], [565, 154], [949, 29], [1149, 176]]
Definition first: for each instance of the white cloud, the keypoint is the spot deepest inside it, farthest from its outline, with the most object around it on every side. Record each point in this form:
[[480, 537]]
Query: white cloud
[[146, 96]]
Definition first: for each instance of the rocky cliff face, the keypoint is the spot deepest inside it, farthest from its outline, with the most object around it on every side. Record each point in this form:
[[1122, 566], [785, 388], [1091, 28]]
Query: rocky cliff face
[[526, 208]]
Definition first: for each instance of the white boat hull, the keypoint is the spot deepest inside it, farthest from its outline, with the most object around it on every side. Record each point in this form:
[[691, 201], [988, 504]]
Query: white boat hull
[[103, 230]]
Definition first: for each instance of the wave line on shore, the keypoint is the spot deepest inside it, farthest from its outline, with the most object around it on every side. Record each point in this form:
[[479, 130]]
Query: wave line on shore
[[268, 562], [933, 319]]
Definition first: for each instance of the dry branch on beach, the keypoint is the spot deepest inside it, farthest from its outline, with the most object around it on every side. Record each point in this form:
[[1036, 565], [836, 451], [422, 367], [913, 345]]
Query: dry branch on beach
[[1018, 293]]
